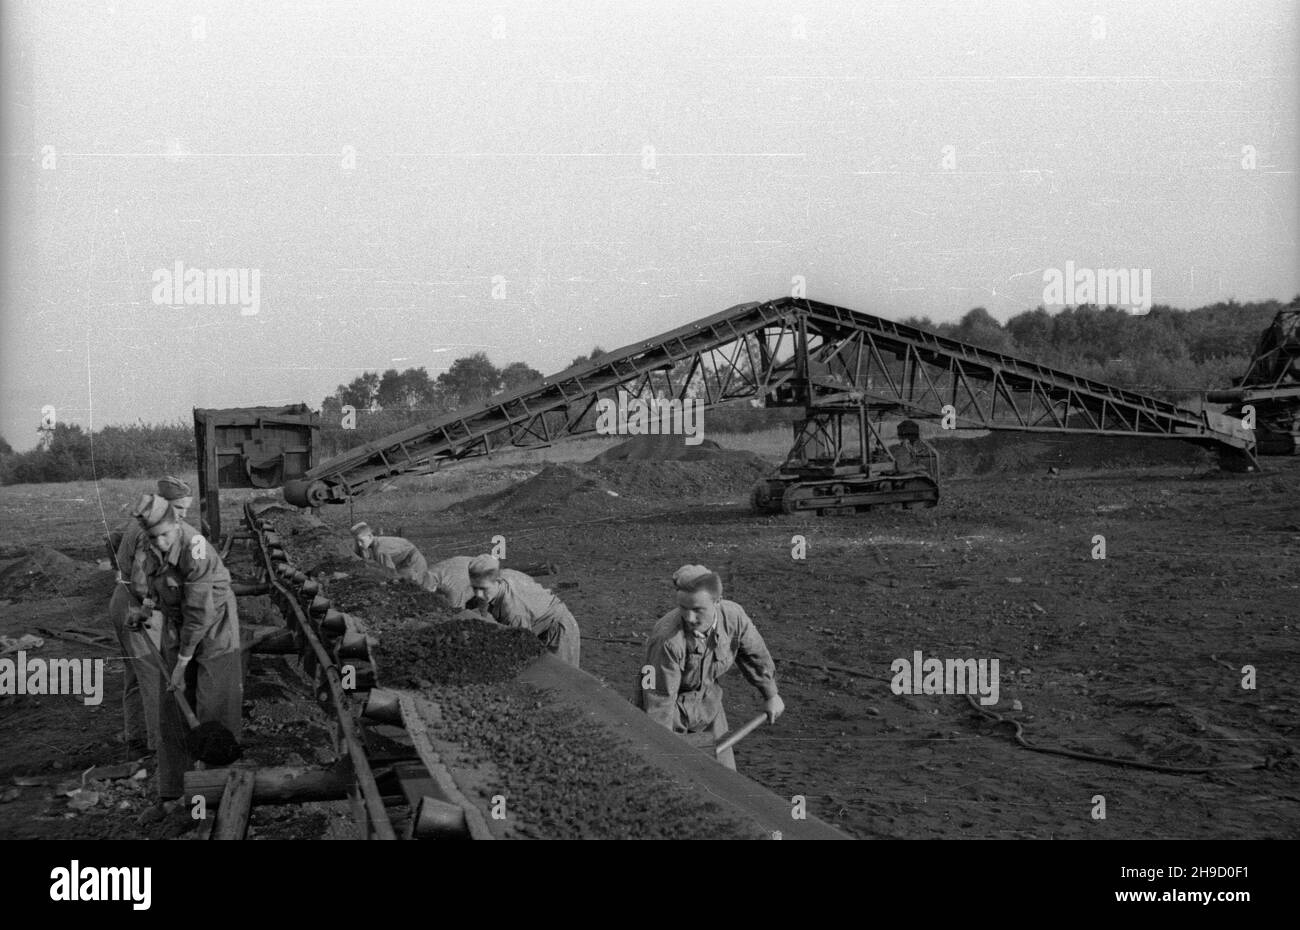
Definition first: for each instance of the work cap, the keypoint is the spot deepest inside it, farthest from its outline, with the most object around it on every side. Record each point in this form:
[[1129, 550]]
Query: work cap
[[483, 566], [152, 510], [692, 578], [172, 488], [359, 528], [688, 573]]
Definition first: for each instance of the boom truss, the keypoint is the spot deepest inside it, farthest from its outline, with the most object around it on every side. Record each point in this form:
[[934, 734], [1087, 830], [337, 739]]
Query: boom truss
[[785, 352]]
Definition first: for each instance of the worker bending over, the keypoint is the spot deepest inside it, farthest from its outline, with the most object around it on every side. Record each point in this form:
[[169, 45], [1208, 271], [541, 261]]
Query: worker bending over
[[691, 648], [450, 580], [128, 545], [516, 600], [190, 586], [392, 552]]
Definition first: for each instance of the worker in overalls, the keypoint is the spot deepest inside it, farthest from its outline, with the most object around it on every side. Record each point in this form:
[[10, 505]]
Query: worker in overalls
[[514, 599], [689, 650], [392, 552], [190, 593], [128, 544]]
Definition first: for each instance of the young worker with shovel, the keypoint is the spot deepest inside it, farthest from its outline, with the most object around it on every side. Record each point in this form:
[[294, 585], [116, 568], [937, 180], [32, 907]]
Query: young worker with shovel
[[127, 547], [190, 586], [690, 649]]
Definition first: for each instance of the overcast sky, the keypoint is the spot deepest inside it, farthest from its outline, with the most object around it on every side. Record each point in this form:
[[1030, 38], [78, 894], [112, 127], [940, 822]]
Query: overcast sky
[[508, 142]]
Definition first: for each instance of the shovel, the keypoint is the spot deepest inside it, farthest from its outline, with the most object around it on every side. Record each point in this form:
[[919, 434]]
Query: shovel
[[208, 742], [735, 736]]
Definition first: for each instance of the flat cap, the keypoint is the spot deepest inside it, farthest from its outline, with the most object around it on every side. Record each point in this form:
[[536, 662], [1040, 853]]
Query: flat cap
[[172, 488], [152, 510]]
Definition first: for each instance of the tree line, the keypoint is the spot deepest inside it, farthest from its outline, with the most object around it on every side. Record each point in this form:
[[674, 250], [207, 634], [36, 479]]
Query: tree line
[[1173, 354], [385, 402]]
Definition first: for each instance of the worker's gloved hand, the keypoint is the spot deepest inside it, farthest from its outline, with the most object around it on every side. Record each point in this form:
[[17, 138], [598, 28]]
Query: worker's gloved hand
[[178, 673], [774, 707]]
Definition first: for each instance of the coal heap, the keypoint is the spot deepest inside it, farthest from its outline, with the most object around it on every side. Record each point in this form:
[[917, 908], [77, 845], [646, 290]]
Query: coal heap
[[453, 652]]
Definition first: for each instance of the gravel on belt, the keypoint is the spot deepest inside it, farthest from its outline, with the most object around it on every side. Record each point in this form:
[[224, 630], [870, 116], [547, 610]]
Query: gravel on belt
[[455, 652], [375, 594], [564, 777]]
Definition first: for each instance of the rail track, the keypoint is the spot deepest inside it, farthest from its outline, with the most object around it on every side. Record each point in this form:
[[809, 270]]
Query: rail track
[[397, 782]]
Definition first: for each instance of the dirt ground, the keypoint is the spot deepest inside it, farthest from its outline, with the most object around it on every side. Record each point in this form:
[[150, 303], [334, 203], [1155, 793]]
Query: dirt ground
[[1137, 656], [64, 771]]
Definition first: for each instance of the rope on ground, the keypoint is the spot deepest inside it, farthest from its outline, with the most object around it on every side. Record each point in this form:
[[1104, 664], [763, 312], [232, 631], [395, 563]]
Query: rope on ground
[[1024, 743], [1020, 739]]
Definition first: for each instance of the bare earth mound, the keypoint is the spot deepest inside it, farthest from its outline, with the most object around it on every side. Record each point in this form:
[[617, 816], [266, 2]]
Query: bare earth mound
[[644, 470], [556, 489], [44, 572], [658, 449], [1004, 452]]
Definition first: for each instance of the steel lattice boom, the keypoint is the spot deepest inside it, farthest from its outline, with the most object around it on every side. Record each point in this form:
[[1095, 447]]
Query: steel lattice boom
[[786, 352]]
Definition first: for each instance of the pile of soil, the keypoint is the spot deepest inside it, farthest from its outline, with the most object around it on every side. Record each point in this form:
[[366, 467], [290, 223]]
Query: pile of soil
[[666, 467], [1009, 452], [566, 778], [555, 489], [667, 448], [46, 573], [644, 470], [729, 476], [454, 652]]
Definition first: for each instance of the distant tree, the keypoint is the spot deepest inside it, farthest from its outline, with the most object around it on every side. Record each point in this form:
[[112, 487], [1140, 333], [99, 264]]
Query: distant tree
[[389, 393], [519, 374], [596, 353], [362, 392], [418, 389], [470, 379], [978, 327], [1031, 330], [408, 389], [5, 448]]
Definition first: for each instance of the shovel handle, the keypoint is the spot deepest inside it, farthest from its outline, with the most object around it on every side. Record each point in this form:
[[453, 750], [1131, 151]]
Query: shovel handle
[[183, 704], [737, 735]]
